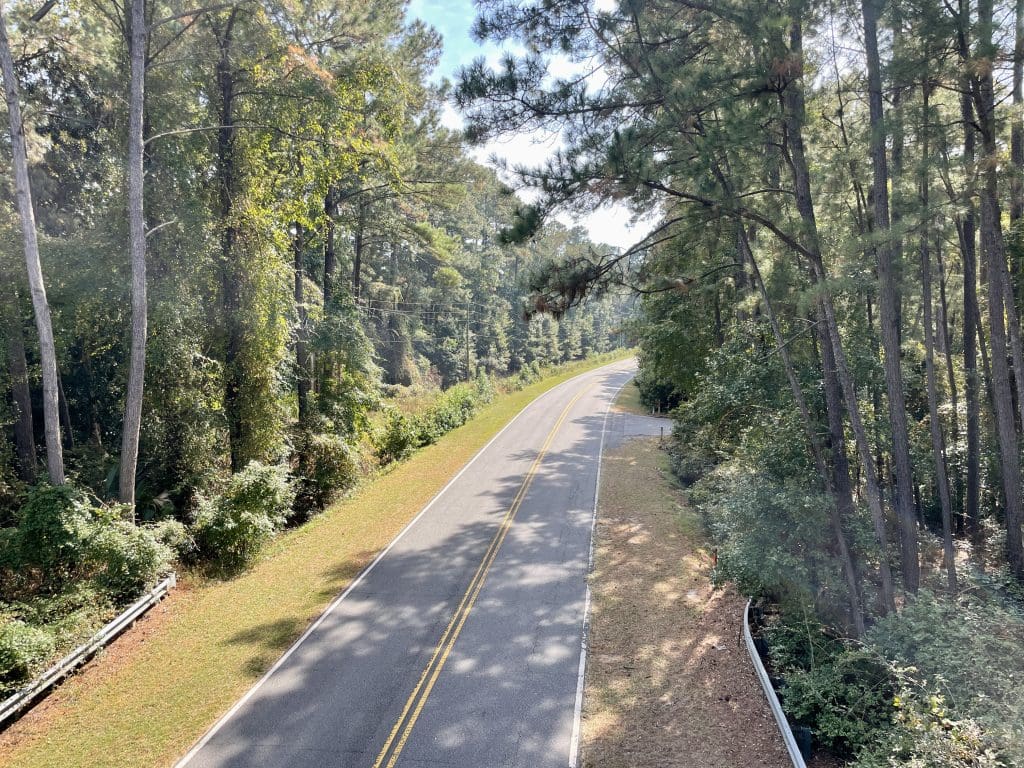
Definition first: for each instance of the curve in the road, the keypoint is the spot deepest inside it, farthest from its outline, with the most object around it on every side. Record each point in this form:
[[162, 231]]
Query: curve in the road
[[460, 644]]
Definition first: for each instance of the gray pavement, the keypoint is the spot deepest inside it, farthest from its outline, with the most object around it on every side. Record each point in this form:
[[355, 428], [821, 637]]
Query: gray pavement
[[426, 662]]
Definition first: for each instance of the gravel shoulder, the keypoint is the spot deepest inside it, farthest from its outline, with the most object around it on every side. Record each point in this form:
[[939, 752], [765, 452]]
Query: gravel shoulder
[[668, 683]]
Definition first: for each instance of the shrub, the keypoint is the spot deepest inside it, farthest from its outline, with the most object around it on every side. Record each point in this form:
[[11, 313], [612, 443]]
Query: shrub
[[176, 537], [53, 530], [845, 699], [925, 736], [328, 467], [23, 650], [127, 559], [397, 439], [773, 537], [452, 409], [232, 528], [69, 616]]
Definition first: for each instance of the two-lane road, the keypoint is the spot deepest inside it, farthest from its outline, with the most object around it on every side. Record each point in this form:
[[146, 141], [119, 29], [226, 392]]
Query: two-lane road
[[461, 644]]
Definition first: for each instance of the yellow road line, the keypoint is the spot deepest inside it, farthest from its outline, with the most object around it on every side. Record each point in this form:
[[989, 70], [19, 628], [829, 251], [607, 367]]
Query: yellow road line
[[418, 698]]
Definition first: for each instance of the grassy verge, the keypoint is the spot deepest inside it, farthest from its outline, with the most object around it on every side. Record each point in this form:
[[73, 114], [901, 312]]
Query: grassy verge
[[162, 685], [629, 400], [667, 682]]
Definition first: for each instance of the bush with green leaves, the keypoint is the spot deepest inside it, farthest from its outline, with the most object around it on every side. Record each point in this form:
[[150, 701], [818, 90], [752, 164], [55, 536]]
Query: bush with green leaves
[[126, 559], [174, 535], [403, 434], [841, 690], [968, 648], [773, 537], [926, 734], [53, 531], [397, 438], [232, 528], [328, 468], [23, 651]]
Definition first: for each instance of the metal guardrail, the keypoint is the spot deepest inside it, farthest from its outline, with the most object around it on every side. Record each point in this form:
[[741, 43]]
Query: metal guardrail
[[11, 707], [769, 692]]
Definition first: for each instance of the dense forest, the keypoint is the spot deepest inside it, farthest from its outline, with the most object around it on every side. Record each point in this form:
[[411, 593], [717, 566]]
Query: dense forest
[[244, 265], [832, 307]]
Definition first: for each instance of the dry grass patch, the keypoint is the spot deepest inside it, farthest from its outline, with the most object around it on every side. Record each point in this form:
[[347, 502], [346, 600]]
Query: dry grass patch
[[160, 686], [628, 400], [669, 683]]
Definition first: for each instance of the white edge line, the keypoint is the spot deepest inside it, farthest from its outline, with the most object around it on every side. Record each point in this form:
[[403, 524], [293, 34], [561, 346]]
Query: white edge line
[[577, 712], [362, 574]]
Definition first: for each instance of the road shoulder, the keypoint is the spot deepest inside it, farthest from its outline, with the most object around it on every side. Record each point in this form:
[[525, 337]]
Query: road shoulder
[[668, 682]]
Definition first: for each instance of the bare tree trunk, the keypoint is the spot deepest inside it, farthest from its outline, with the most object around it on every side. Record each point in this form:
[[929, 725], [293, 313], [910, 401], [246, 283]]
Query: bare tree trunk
[[947, 347], [842, 509], [794, 116], [65, 413], [137, 253], [972, 383], [330, 256], [888, 305], [1017, 123], [995, 256], [40, 305], [227, 177], [938, 446], [303, 383], [21, 396], [357, 250]]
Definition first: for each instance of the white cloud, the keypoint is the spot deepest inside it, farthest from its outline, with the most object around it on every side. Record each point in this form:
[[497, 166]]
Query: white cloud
[[611, 224]]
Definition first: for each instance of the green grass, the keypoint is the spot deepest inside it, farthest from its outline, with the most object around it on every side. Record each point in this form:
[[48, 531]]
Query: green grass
[[629, 400], [151, 700]]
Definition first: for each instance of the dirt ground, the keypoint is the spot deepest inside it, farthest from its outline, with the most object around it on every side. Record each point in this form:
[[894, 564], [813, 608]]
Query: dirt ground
[[669, 682]]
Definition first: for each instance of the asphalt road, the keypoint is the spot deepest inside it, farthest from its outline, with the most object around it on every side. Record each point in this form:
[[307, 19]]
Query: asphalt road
[[460, 646]]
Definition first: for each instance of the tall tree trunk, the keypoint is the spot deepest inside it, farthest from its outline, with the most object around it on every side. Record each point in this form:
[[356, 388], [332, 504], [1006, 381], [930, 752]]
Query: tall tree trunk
[[358, 245], [21, 395], [972, 383], [954, 396], [842, 508], [938, 445], [303, 378], [137, 253], [1017, 125], [993, 249], [946, 337], [888, 306], [794, 117], [227, 178], [37, 288], [330, 254]]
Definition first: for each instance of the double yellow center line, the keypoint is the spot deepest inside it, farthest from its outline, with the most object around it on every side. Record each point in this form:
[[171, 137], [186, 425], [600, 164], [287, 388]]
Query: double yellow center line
[[418, 698]]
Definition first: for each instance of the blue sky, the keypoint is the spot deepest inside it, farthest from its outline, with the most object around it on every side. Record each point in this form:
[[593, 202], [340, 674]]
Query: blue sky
[[453, 19]]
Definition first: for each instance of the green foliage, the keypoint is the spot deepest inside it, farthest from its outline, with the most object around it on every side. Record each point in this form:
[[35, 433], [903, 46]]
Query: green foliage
[[842, 691], [174, 535], [968, 649], [126, 559], [328, 468], [232, 528], [772, 535], [397, 438], [23, 651], [401, 434], [925, 735], [53, 531]]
